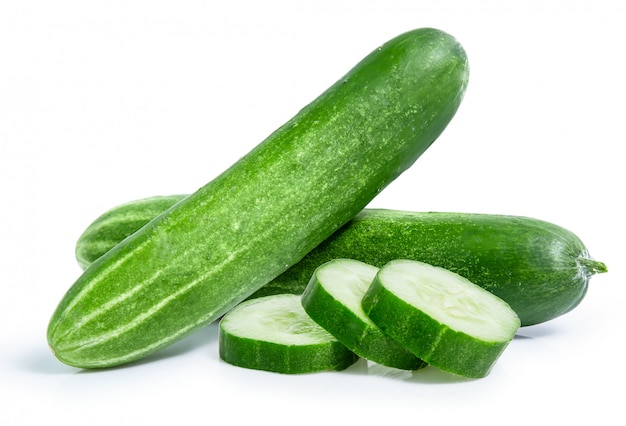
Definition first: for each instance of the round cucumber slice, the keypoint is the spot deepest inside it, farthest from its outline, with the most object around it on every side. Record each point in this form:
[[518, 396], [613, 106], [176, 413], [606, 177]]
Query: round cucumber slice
[[333, 300], [441, 317], [274, 333]]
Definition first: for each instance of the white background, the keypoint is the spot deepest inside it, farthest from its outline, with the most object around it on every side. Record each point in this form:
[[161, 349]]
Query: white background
[[102, 102]]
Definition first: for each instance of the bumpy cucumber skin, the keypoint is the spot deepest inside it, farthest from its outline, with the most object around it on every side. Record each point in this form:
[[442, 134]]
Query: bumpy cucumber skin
[[212, 250], [257, 354], [540, 269], [116, 224], [366, 340], [428, 339]]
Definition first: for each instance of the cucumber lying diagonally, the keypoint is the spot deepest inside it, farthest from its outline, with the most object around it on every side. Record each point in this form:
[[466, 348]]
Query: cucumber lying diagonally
[[540, 269], [213, 249], [441, 317], [274, 333], [333, 300]]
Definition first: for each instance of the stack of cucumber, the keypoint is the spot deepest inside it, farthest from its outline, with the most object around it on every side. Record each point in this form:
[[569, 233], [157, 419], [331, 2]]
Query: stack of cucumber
[[305, 278]]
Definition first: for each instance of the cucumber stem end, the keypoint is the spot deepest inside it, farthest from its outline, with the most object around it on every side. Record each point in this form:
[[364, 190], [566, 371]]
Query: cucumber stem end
[[590, 267]]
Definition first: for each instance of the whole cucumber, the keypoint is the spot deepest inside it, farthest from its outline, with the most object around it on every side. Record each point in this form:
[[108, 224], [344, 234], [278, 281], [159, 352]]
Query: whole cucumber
[[196, 261], [540, 269]]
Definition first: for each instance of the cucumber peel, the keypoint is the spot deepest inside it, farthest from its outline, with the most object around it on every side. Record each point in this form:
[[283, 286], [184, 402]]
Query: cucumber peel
[[117, 223], [540, 269], [333, 300], [274, 333], [441, 317]]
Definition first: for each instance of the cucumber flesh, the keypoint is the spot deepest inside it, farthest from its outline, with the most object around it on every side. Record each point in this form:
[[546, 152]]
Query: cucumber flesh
[[441, 317], [333, 300], [274, 333]]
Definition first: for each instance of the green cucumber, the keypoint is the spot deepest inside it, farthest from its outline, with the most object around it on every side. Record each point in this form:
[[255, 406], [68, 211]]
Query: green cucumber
[[114, 225], [441, 317], [333, 300], [539, 268], [274, 333], [196, 261]]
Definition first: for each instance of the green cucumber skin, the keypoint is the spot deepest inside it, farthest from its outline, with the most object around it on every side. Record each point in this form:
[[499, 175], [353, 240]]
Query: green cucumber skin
[[540, 269], [191, 264], [362, 339], [404, 323], [248, 353], [116, 224]]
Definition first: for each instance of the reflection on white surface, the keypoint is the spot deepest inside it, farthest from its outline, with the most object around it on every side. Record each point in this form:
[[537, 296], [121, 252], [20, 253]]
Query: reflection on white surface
[[428, 374]]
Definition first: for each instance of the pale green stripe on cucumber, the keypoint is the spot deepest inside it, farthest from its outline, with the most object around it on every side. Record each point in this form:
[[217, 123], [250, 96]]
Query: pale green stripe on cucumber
[[197, 260], [441, 317], [333, 300], [540, 269], [116, 224], [274, 333]]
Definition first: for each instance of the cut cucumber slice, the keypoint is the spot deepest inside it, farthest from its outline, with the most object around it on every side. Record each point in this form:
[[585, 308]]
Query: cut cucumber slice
[[274, 333], [333, 300], [441, 317]]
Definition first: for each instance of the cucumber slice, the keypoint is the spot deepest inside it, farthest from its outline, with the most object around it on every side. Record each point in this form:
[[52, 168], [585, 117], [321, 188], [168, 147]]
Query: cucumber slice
[[333, 300], [441, 317], [274, 333]]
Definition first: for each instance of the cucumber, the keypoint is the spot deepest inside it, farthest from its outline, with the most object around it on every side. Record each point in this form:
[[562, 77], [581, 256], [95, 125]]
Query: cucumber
[[540, 269], [209, 252], [274, 333], [333, 300], [441, 317], [114, 225]]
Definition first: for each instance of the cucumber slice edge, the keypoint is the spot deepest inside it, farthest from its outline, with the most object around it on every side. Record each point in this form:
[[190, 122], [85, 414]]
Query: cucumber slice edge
[[463, 306]]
